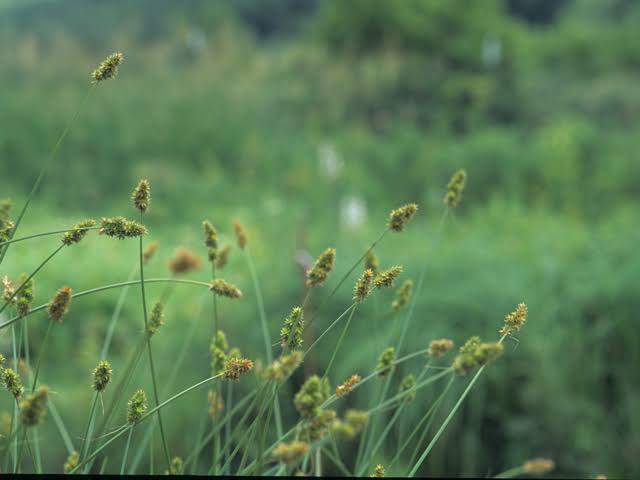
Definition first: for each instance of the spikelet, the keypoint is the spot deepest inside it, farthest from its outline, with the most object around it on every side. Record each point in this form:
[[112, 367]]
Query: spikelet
[[438, 348], [77, 232], [403, 295], [454, 189], [241, 234], [184, 261], [356, 418], [176, 467], [371, 262], [292, 328], [346, 386], [8, 290], [2, 360], [102, 376], [210, 240], [34, 407], [12, 382], [141, 196], [59, 304], [236, 367], [340, 430], [121, 228], [216, 404], [222, 257], [6, 225], [136, 406], [290, 453], [25, 296], [378, 472], [108, 68], [386, 278], [385, 362], [217, 350], [225, 289], [156, 320], [284, 366], [538, 466], [322, 267], [406, 385], [311, 395], [474, 354], [72, 462], [400, 217], [515, 320], [363, 286], [317, 427], [149, 252]]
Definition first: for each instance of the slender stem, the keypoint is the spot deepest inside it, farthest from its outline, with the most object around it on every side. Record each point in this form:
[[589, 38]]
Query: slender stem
[[52, 154], [41, 355], [126, 450], [106, 287], [116, 315], [352, 306], [342, 335], [19, 289], [24, 440], [46, 234], [216, 439], [64, 433], [86, 440]]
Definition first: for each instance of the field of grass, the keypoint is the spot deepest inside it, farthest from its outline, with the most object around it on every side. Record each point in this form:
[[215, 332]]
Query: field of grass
[[309, 139]]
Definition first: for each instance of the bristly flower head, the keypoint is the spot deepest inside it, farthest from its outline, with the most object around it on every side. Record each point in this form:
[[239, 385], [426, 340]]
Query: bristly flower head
[[241, 234], [236, 367], [149, 252], [438, 348], [403, 295], [379, 472], [347, 385], [78, 232], [121, 228], [385, 362], [141, 195], [290, 453], [317, 426], [12, 382], [217, 349], [475, 353], [363, 286], [225, 289], [407, 384], [322, 267], [176, 467], [102, 376], [515, 320], [371, 262], [283, 367], [386, 278], [454, 189], [59, 304], [6, 225], [356, 418], [400, 217], [72, 462], [33, 407], [156, 320], [108, 68], [222, 257], [311, 395], [210, 235], [292, 328], [25, 296], [538, 466], [8, 290], [136, 406], [183, 262]]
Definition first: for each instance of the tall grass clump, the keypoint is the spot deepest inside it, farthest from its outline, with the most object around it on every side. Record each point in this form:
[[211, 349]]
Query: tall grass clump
[[279, 410]]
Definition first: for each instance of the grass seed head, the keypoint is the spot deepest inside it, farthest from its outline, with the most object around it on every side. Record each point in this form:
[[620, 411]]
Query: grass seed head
[[225, 289], [385, 362], [121, 228], [210, 235], [149, 251], [34, 407], [59, 304], [403, 295], [378, 472], [141, 195], [317, 426], [222, 257], [176, 467], [356, 418], [216, 404], [371, 262], [363, 286], [25, 296], [474, 353], [455, 188], [346, 386], [386, 278], [241, 234], [236, 367], [292, 328], [283, 367], [77, 232], [156, 320], [407, 384], [108, 68], [322, 267], [102, 375], [72, 462], [12, 382], [439, 348], [290, 453], [311, 395], [136, 406], [515, 320], [6, 225], [400, 217], [184, 261]]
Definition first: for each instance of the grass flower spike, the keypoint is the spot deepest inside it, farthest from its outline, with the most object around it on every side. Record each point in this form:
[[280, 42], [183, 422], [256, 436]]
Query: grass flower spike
[[407, 384], [454, 189], [72, 462], [121, 228], [184, 262], [439, 348], [403, 295], [136, 406], [25, 296], [236, 367], [108, 68], [400, 217], [311, 395], [363, 286], [149, 251], [386, 278], [378, 472], [6, 225], [141, 195], [225, 289], [12, 382], [59, 304], [78, 232], [102, 376], [515, 320], [34, 407], [290, 453], [283, 367], [347, 385], [474, 354], [371, 262], [385, 362], [322, 267], [156, 318], [241, 234], [292, 328]]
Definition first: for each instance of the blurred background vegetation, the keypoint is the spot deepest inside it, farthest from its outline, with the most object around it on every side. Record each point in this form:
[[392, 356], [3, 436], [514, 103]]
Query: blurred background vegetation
[[309, 120]]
